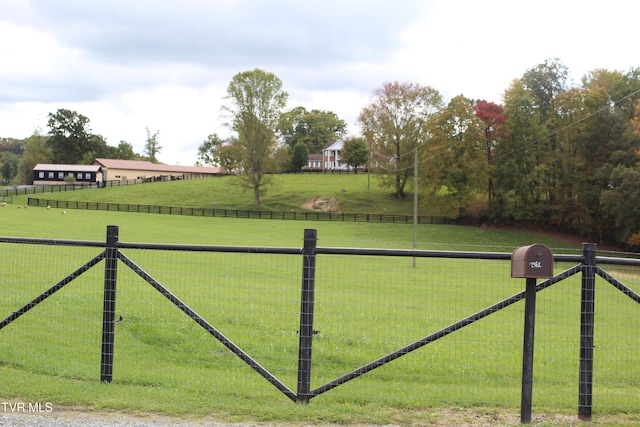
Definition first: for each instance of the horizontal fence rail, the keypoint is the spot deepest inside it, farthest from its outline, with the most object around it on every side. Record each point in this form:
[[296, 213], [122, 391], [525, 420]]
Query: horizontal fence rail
[[321, 317], [253, 214]]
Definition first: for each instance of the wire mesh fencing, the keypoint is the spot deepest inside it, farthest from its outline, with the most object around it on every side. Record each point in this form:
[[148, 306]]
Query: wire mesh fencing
[[352, 325]]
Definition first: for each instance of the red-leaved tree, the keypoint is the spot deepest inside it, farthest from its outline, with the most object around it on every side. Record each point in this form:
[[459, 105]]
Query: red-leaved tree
[[493, 117]]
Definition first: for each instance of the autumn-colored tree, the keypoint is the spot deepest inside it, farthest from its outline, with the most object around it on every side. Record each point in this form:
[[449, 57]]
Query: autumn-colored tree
[[229, 156], [396, 123], [493, 117], [635, 121], [455, 158], [224, 153]]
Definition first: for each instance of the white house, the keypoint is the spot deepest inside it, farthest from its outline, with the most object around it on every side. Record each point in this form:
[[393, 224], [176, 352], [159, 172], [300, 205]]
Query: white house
[[331, 159], [315, 163]]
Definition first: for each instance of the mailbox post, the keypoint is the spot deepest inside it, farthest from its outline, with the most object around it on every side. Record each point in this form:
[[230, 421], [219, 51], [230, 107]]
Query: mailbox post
[[530, 262]]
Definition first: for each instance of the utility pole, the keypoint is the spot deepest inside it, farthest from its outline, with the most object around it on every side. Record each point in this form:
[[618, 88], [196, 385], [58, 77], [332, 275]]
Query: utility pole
[[415, 203]]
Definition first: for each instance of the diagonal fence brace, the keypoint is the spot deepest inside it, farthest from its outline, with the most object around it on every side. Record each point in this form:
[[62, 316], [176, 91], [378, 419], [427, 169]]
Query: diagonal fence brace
[[208, 327]]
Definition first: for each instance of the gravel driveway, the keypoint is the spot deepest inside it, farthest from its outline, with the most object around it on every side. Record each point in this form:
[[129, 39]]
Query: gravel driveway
[[469, 417], [97, 419]]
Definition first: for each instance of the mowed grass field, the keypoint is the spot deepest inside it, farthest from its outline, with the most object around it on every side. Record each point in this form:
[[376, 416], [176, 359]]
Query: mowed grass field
[[356, 193], [366, 307]]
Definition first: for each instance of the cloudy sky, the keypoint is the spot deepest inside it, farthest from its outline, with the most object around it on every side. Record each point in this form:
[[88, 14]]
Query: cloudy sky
[[166, 64]]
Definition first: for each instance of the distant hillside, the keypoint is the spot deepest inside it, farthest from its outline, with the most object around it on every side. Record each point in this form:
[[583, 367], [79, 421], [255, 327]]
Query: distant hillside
[[350, 193]]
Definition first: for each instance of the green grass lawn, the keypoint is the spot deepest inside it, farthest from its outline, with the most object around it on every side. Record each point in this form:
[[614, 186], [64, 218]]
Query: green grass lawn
[[288, 192], [365, 308], [355, 193]]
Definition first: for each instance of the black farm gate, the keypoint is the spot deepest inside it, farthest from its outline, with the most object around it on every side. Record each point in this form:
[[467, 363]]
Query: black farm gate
[[586, 265]]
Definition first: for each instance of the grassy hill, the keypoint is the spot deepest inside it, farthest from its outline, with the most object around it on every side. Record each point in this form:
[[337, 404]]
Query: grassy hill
[[288, 193], [355, 194]]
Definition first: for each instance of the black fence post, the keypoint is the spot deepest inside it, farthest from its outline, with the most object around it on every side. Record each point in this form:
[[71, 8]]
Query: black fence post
[[585, 393], [109, 307], [306, 315], [527, 352]]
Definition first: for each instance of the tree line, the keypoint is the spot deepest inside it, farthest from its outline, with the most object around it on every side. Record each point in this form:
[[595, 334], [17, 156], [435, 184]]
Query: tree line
[[70, 140], [553, 153]]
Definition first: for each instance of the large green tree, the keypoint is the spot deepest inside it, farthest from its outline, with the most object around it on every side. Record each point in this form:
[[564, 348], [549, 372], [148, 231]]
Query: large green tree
[[569, 164], [36, 150], [355, 152], [314, 128], [70, 137], [9, 166], [254, 104], [515, 187], [607, 141], [15, 146], [224, 153], [299, 157], [621, 204], [544, 81], [124, 151], [207, 151], [229, 156], [396, 123]]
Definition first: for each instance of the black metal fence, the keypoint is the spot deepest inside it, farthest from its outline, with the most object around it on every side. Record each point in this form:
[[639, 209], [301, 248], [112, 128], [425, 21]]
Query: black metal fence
[[254, 214], [323, 350]]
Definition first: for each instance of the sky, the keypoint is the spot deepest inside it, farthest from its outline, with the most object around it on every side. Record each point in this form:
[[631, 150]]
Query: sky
[[165, 65]]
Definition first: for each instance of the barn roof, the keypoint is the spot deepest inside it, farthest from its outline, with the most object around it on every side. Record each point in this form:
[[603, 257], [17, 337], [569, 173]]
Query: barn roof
[[66, 168], [157, 167]]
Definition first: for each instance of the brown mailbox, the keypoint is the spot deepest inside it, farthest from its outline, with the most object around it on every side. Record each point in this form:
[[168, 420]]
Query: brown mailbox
[[533, 261]]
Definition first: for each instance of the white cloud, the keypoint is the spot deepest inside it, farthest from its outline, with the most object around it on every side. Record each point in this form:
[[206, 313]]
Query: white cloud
[[165, 65], [32, 62], [477, 48]]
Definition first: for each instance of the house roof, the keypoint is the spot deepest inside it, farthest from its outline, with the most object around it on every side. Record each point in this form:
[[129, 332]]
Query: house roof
[[66, 168], [315, 156], [148, 166], [335, 145]]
